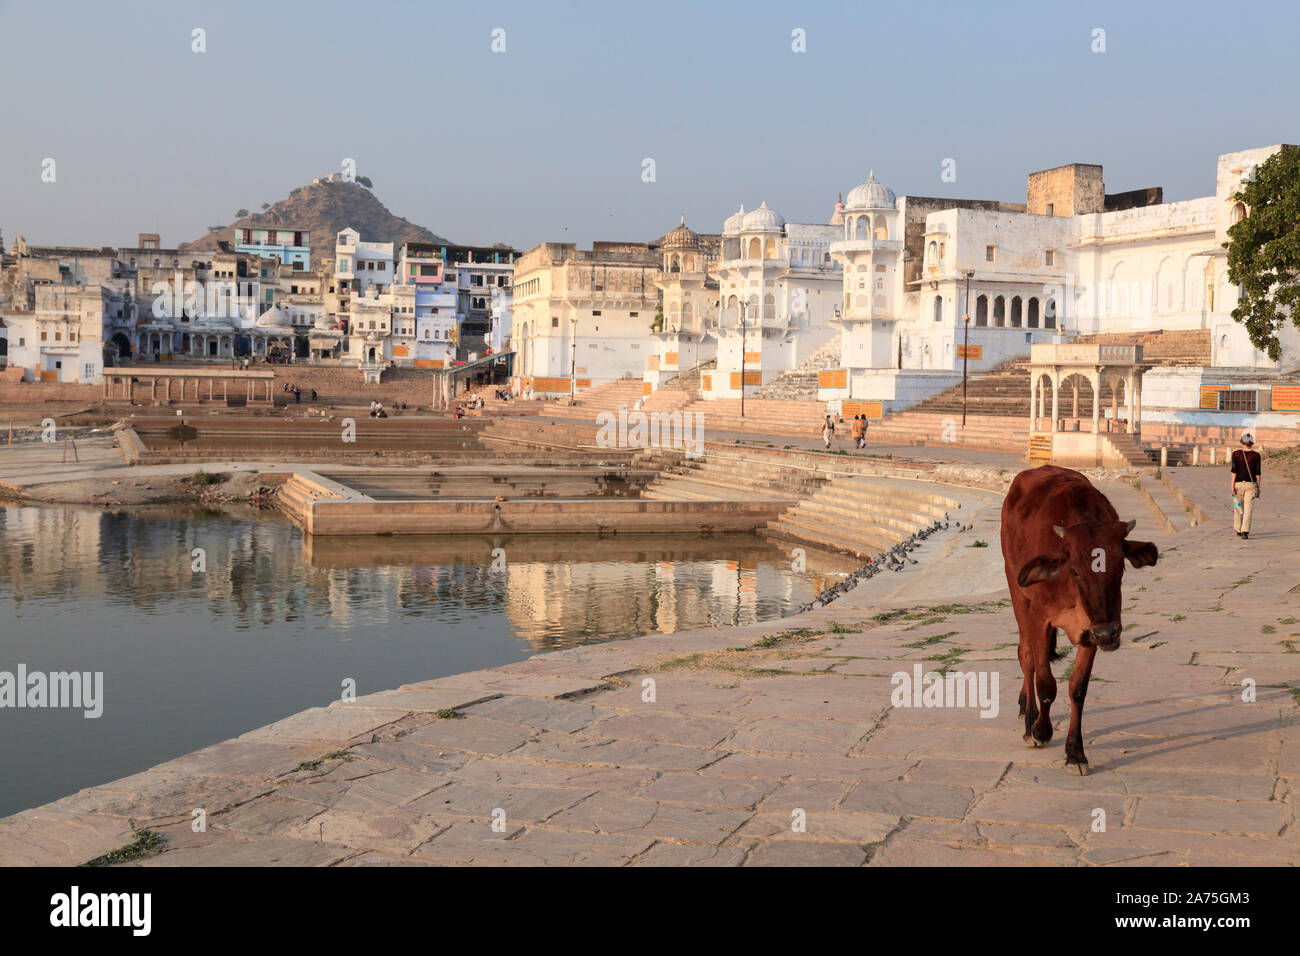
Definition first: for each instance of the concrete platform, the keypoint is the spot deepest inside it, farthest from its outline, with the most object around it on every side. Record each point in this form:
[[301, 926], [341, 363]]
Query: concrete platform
[[778, 744]]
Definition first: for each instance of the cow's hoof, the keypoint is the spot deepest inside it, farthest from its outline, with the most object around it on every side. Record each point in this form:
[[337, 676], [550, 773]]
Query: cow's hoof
[[1080, 768], [1031, 742]]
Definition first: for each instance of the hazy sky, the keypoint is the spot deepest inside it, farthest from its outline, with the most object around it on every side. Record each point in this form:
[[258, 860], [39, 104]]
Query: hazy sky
[[546, 140]]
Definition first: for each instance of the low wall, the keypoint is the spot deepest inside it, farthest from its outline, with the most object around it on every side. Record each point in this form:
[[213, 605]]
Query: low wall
[[899, 389], [605, 516], [27, 393], [1085, 450]]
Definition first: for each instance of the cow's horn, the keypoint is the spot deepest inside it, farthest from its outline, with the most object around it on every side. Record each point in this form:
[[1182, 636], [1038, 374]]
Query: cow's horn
[[1060, 532], [1132, 523]]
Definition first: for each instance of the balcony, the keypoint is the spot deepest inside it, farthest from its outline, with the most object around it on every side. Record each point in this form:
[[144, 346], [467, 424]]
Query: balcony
[[866, 245]]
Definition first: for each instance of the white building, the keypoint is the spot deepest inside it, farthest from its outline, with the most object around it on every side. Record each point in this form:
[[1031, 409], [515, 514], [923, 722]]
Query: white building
[[687, 337], [61, 338], [779, 291], [1072, 261], [502, 320], [582, 318]]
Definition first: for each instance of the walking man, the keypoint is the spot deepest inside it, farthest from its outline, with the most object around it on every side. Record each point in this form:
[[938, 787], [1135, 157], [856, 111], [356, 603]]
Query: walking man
[[828, 431], [1244, 484]]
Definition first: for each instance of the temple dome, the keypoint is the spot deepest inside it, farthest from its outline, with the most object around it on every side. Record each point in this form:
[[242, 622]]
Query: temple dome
[[763, 219], [274, 318], [870, 195], [683, 237], [734, 222]]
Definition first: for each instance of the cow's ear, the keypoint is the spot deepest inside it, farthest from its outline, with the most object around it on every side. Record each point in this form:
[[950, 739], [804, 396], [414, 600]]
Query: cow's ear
[[1043, 568], [1141, 554]]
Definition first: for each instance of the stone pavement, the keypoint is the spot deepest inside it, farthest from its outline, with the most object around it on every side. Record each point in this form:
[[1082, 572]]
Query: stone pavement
[[778, 743]]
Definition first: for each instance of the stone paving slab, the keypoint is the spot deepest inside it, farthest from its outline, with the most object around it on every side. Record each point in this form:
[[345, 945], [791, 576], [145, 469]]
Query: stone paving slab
[[771, 745]]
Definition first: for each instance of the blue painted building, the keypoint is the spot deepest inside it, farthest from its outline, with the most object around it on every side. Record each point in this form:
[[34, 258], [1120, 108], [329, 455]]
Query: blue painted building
[[292, 246]]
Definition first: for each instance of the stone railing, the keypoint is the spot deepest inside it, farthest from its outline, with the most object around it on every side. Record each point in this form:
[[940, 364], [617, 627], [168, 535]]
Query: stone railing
[[1089, 354]]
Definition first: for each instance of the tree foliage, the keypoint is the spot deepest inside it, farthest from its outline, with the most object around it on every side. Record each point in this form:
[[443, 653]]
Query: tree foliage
[[365, 181], [1264, 251], [241, 213]]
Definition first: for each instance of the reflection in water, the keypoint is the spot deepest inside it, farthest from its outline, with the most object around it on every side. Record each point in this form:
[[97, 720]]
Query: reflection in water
[[275, 622]]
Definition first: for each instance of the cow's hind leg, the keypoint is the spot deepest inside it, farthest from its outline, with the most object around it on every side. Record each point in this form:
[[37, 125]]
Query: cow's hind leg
[[1044, 685], [1078, 692]]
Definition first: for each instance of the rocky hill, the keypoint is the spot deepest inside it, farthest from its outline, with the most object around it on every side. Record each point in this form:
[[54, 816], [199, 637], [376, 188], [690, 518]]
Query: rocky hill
[[325, 208]]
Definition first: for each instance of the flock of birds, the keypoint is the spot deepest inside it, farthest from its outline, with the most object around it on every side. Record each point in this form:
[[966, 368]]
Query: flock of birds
[[895, 559]]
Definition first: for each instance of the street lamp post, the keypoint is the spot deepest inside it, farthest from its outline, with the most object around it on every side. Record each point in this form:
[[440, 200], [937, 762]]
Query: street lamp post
[[965, 352], [573, 360]]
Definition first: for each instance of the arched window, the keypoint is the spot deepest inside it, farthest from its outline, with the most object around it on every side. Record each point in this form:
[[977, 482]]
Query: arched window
[[882, 228], [676, 264], [932, 253], [999, 312], [769, 249], [938, 307], [1033, 314], [982, 311], [861, 229], [1049, 314], [690, 264], [755, 249], [1238, 213], [1016, 312]]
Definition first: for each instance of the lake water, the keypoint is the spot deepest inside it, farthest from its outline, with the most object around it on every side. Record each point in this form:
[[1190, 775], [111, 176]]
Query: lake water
[[274, 622]]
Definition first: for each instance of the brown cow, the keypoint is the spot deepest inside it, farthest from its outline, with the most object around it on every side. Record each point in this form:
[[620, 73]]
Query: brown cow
[[1055, 521]]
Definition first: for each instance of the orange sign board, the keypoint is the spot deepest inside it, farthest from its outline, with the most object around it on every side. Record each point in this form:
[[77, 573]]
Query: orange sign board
[[400, 351], [753, 358], [428, 363], [833, 378], [670, 358], [552, 385], [874, 411], [1286, 398], [1210, 395], [582, 383], [706, 383], [652, 363], [647, 388], [751, 378], [973, 352]]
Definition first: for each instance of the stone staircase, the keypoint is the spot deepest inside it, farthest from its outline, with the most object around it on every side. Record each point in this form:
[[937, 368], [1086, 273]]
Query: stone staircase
[[767, 416], [800, 383], [680, 391], [713, 477], [1004, 391], [862, 515], [1173, 347], [1132, 451], [603, 398], [996, 432]]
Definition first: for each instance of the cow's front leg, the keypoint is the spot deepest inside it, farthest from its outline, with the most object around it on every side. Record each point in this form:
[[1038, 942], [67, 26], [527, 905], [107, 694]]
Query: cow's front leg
[[1078, 692], [1027, 706], [1044, 684]]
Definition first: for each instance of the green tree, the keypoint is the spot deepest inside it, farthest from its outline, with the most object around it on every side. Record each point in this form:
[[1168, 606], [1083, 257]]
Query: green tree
[[365, 181], [266, 205], [241, 213], [1264, 251]]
